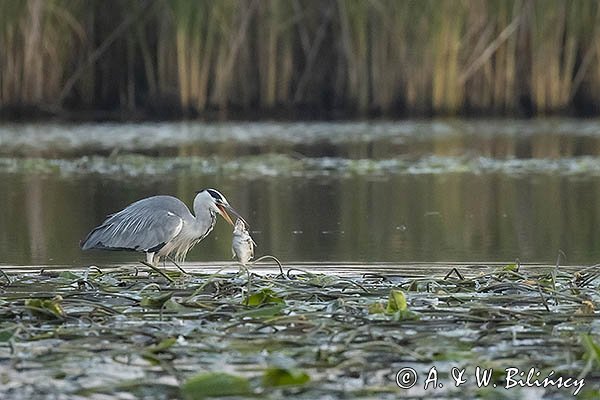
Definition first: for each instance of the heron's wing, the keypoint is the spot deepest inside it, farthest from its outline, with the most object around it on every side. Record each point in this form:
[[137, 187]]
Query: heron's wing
[[141, 227]]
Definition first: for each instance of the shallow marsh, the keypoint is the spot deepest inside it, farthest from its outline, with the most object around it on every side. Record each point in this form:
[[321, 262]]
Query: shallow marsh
[[128, 331]]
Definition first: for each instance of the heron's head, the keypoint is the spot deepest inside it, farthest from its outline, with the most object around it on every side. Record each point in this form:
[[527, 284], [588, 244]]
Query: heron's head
[[218, 204]]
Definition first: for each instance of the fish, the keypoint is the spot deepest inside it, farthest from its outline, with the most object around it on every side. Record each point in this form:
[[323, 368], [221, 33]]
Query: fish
[[242, 245]]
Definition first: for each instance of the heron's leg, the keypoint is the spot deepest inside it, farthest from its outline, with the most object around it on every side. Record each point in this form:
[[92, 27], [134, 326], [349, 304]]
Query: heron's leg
[[150, 259], [151, 266]]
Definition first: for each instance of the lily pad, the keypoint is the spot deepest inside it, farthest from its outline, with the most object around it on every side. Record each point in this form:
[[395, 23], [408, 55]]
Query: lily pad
[[265, 296], [215, 384], [46, 308], [284, 377], [155, 301]]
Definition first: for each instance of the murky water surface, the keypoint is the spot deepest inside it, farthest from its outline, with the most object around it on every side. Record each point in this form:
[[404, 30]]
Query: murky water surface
[[485, 190]]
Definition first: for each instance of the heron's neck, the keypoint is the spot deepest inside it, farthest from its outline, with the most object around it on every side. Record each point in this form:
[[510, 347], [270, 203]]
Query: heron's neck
[[204, 219]]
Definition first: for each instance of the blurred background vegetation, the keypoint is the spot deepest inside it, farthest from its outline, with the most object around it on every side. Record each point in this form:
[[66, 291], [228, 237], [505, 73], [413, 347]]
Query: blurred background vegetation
[[299, 58]]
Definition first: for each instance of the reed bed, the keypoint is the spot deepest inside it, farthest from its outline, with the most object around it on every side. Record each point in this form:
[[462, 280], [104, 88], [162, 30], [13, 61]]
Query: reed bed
[[381, 57]]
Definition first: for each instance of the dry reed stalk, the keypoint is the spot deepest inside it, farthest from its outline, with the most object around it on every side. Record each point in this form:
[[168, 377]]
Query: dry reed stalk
[[426, 56]]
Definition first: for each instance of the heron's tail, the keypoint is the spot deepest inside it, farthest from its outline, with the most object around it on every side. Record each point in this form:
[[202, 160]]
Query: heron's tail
[[93, 239]]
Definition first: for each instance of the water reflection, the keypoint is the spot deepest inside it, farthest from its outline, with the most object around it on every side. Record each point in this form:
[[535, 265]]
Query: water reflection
[[460, 217], [400, 192]]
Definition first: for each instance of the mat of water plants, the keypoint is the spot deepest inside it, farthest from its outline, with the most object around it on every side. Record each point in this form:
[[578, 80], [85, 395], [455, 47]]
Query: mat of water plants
[[318, 331]]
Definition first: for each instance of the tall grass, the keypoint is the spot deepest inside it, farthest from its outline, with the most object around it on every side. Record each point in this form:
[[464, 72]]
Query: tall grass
[[362, 56]]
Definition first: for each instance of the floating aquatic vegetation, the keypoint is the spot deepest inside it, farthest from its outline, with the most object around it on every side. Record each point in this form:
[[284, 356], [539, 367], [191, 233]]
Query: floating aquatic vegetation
[[264, 296], [46, 308], [215, 384], [396, 307], [277, 376], [56, 140], [272, 165], [131, 331]]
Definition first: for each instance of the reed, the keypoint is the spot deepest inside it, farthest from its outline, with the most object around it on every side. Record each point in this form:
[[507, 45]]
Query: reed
[[38, 39], [384, 57]]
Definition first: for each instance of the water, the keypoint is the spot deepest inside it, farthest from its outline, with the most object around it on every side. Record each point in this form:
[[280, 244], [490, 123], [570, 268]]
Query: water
[[485, 190]]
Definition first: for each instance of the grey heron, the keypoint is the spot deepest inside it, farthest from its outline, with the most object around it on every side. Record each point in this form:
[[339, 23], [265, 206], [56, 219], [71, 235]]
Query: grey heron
[[161, 226]]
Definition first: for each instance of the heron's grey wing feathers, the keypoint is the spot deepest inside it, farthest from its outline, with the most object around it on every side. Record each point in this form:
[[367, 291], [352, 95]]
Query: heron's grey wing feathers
[[146, 225]]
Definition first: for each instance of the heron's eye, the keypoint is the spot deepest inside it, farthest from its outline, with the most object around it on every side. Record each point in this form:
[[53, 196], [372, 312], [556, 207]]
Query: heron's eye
[[216, 195]]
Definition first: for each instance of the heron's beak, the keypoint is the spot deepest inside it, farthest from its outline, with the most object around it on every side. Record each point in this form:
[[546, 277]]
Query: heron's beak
[[223, 211]]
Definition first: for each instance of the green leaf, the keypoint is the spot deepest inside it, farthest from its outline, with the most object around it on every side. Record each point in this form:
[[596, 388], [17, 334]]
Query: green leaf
[[511, 268], [376, 308], [172, 305], [151, 358], [397, 307], [155, 301], [284, 377], [46, 308], [322, 280], [265, 296], [396, 302], [592, 348], [68, 275], [214, 384], [7, 334], [162, 345]]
